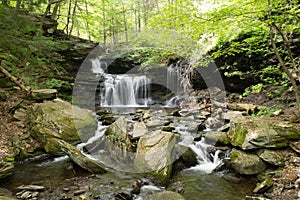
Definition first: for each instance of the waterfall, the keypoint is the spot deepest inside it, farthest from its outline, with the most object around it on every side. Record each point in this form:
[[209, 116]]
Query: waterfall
[[132, 90], [174, 78], [126, 90], [207, 162]]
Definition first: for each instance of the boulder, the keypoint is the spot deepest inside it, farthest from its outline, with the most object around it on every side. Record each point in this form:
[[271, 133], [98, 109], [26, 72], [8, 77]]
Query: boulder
[[117, 141], [155, 155], [246, 163], [262, 133], [166, 195], [59, 119], [75, 155], [139, 129], [271, 157], [44, 94]]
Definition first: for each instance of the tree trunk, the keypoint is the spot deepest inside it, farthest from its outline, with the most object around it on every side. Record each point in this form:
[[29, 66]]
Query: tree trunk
[[125, 23], [68, 17], [286, 70], [15, 80], [55, 10], [103, 23], [73, 17], [86, 21], [18, 5]]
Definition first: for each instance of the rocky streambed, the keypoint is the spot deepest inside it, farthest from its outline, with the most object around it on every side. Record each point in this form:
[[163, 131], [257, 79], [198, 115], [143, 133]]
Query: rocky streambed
[[146, 152]]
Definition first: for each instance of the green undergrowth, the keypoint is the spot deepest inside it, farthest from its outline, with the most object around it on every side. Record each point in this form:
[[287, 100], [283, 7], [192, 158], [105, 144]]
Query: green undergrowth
[[26, 53]]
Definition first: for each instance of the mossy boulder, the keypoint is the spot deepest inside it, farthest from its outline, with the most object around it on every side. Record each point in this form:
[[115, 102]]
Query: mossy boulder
[[59, 119], [256, 133], [246, 163], [75, 155], [117, 141], [271, 157], [155, 155]]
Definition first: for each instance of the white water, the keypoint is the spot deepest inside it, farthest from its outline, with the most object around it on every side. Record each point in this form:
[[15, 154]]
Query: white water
[[125, 90], [206, 162], [174, 78], [122, 90]]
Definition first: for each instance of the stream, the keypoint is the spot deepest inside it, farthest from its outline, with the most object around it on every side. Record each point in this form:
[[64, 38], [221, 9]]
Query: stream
[[53, 175], [61, 177]]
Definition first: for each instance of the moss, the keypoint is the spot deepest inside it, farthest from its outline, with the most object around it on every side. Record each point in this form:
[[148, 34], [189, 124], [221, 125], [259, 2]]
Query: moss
[[238, 133]]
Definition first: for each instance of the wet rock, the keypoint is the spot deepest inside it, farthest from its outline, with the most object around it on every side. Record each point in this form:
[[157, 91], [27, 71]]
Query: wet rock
[[271, 157], [75, 155], [107, 119], [117, 141], [139, 129], [262, 133], [44, 94], [246, 163], [26, 195], [217, 137], [59, 119], [155, 156], [166, 195], [136, 187], [189, 157], [124, 195]]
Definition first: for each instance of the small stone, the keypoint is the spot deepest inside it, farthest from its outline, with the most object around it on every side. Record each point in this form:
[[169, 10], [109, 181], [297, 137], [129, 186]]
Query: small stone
[[26, 195], [35, 194], [31, 187], [66, 189], [124, 195], [78, 192]]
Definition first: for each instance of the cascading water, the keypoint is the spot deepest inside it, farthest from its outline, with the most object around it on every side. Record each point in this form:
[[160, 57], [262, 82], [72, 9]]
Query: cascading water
[[122, 90], [174, 78], [207, 162], [125, 90]]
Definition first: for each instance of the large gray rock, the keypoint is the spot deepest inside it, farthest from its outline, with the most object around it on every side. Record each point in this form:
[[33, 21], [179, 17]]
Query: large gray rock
[[271, 157], [75, 155], [166, 195], [117, 141], [155, 155], [262, 133], [59, 119], [139, 129], [246, 163]]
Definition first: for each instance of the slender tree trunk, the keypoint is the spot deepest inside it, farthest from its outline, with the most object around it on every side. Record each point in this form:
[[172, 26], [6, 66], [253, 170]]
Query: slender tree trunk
[[55, 10], [73, 17], [86, 21], [125, 23], [286, 70], [273, 30], [138, 17], [103, 23], [48, 8], [18, 5], [68, 17]]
